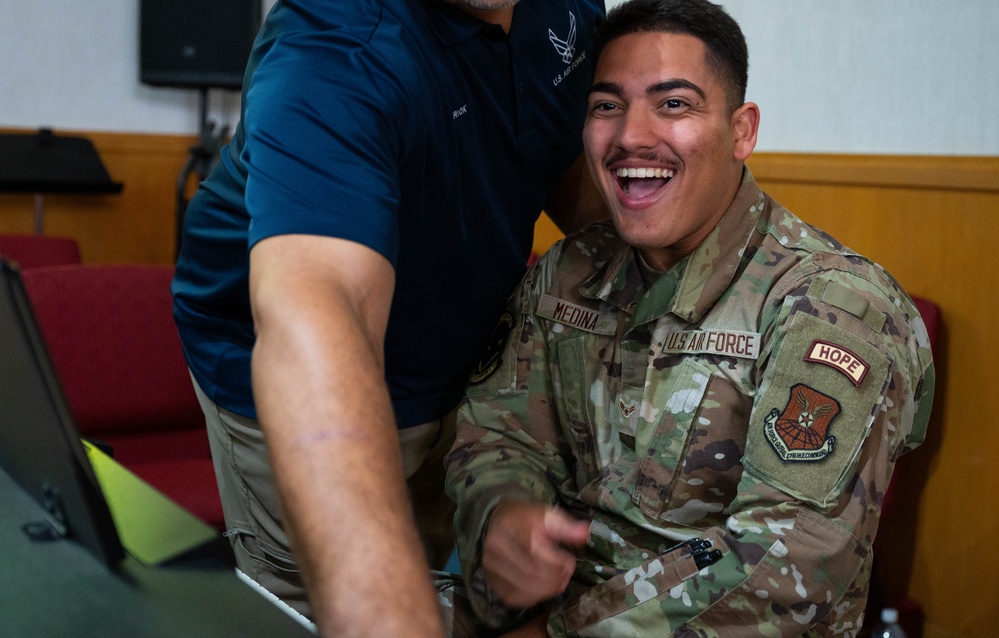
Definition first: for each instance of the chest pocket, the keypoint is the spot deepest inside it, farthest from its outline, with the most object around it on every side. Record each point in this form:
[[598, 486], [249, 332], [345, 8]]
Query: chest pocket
[[664, 430], [627, 441], [581, 390]]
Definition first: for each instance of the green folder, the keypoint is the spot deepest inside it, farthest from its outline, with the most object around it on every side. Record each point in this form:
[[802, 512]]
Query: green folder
[[152, 528]]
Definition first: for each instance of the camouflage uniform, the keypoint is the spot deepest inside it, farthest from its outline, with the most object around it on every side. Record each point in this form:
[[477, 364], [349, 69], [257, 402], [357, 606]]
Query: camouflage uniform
[[756, 396]]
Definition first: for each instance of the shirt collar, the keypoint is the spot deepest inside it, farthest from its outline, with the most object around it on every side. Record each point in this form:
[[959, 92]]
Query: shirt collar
[[450, 24], [704, 274]]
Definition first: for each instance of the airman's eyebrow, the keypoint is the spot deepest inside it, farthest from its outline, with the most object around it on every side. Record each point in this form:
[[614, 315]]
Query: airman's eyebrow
[[659, 87], [672, 85], [605, 87]]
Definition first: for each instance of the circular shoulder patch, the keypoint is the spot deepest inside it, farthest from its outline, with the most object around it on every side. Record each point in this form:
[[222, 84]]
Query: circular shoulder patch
[[492, 357]]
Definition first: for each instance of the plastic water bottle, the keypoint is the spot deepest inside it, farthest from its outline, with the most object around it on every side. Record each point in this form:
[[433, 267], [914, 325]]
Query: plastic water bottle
[[888, 627]]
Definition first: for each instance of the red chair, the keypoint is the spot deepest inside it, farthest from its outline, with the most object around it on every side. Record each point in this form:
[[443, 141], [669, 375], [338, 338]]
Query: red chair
[[110, 334], [911, 615], [35, 251], [930, 312]]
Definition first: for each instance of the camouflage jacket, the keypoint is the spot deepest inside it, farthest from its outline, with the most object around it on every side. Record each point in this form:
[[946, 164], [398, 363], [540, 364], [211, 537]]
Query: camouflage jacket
[[755, 396]]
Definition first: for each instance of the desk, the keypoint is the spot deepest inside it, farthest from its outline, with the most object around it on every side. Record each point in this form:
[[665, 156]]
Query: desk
[[57, 589]]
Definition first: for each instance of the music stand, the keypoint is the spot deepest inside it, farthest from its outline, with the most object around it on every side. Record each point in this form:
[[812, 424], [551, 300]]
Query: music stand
[[201, 158], [44, 163]]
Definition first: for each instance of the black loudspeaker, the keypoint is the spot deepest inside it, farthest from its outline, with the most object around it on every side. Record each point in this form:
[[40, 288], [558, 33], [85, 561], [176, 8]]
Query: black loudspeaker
[[196, 43]]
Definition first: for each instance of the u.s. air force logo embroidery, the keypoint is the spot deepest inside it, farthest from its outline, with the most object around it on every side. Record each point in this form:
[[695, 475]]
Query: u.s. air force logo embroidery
[[492, 358], [801, 432], [566, 48]]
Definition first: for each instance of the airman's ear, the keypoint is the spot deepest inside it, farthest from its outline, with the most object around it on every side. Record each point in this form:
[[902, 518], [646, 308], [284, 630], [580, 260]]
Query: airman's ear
[[745, 125]]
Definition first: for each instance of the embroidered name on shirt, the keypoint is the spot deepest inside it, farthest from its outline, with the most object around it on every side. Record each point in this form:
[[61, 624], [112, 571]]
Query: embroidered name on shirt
[[730, 343], [838, 358], [567, 313], [458, 112]]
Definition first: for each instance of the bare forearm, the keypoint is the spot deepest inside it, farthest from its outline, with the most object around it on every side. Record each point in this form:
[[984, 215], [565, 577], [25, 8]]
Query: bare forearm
[[348, 514], [322, 401]]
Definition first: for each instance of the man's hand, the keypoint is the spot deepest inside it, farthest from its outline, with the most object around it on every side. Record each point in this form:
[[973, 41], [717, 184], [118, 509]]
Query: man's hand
[[526, 557]]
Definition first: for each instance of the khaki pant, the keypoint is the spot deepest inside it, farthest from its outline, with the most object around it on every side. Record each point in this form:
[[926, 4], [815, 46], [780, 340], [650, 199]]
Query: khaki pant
[[253, 516]]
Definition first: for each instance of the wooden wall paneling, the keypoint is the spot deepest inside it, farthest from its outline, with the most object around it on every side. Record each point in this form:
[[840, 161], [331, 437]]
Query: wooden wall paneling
[[546, 233], [135, 226], [936, 228]]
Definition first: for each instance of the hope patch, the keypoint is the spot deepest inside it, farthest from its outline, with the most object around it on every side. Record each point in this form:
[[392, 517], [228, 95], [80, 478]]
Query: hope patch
[[838, 358]]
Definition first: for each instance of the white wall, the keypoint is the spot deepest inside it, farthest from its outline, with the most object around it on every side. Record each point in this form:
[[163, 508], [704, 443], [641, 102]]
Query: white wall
[[857, 76], [873, 76], [74, 64]]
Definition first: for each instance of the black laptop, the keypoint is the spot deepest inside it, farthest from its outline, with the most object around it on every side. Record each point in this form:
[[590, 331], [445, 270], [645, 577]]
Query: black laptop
[[86, 495]]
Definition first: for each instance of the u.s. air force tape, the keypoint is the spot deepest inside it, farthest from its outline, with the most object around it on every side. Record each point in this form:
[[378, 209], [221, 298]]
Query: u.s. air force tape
[[730, 343]]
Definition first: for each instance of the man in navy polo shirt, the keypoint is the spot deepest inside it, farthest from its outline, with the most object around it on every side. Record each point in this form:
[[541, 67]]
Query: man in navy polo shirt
[[357, 242]]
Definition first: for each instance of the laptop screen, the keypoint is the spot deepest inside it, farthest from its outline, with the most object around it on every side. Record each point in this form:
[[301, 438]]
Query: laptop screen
[[39, 445]]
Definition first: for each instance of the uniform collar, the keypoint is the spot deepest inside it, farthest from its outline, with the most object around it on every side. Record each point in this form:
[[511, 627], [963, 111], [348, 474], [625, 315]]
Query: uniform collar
[[703, 275]]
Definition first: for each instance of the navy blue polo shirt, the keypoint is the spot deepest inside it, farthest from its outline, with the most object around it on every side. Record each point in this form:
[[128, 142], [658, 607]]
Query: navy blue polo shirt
[[409, 127]]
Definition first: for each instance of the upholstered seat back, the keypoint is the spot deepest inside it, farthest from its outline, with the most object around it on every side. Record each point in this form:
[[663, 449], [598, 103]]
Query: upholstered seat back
[[36, 251], [110, 333]]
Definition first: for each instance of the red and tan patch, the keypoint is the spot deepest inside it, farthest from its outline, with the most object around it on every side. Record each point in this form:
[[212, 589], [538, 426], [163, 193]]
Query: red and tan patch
[[801, 431], [838, 358]]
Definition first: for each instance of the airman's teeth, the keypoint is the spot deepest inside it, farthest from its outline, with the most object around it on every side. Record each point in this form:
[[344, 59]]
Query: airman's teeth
[[644, 172]]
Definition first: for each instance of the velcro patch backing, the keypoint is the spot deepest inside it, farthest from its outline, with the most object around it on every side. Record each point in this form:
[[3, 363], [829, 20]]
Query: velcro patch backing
[[811, 419]]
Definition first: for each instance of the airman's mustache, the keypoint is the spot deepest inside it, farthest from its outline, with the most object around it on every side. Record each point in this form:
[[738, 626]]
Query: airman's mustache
[[651, 157]]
